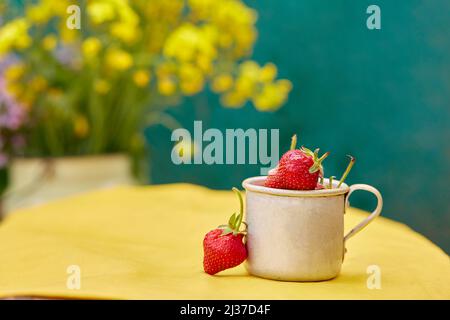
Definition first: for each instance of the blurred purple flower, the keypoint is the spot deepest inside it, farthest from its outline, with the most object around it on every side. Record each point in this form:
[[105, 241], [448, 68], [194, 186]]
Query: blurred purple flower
[[12, 113], [68, 56], [6, 61], [64, 54]]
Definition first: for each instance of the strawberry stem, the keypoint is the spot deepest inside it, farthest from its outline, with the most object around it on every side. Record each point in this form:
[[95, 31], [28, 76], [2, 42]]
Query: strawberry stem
[[240, 216], [293, 142], [317, 161], [349, 167], [235, 221], [330, 185], [326, 154]]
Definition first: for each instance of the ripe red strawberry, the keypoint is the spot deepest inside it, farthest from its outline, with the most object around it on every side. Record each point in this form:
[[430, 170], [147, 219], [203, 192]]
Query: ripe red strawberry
[[222, 251], [223, 247], [298, 169]]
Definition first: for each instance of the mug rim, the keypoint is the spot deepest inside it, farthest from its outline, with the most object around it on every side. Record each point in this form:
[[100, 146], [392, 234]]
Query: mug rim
[[249, 184]]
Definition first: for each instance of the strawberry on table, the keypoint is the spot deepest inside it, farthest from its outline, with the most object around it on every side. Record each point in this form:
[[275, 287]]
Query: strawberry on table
[[298, 169], [224, 247]]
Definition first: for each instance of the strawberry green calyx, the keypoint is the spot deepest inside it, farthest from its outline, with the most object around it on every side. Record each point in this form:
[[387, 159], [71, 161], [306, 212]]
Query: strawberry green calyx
[[349, 167], [235, 221], [317, 161]]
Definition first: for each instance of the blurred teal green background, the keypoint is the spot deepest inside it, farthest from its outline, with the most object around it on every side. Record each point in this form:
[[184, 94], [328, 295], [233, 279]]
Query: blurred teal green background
[[380, 95]]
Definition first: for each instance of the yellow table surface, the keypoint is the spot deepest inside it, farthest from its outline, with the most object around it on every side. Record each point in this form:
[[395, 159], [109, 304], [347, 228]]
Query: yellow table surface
[[146, 243]]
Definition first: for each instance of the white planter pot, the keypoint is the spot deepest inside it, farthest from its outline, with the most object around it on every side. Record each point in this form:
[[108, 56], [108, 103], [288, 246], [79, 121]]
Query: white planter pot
[[35, 181]]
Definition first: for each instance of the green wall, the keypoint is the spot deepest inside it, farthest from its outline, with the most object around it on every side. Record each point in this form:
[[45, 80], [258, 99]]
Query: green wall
[[381, 95]]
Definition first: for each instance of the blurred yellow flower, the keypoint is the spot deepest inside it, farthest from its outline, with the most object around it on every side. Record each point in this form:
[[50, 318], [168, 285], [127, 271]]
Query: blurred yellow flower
[[202, 9], [15, 89], [38, 83], [284, 85], [222, 83], [14, 72], [125, 20], [234, 11], [166, 68], [49, 42], [80, 126], [102, 86], [128, 33], [59, 8], [272, 96], [236, 24], [126, 13], [68, 35], [233, 99], [14, 35], [191, 79], [101, 11], [248, 78], [243, 42], [118, 59], [225, 40], [39, 13], [249, 69], [245, 86], [164, 11], [44, 10], [186, 42], [268, 72], [210, 32], [204, 63], [90, 47], [166, 86], [180, 46], [253, 83], [141, 78]]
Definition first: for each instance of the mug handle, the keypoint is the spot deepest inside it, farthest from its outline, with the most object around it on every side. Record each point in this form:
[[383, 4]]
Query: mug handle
[[372, 216]]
